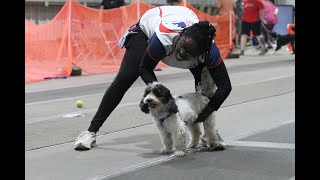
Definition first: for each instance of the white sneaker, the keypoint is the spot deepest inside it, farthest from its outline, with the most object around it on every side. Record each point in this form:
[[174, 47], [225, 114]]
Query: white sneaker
[[85, 141]]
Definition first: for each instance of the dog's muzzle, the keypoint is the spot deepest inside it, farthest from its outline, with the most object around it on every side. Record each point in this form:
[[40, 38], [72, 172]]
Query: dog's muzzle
[[150, 103]]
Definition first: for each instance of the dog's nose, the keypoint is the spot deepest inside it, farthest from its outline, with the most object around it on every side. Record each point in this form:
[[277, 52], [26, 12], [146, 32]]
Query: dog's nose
[[148, 100]]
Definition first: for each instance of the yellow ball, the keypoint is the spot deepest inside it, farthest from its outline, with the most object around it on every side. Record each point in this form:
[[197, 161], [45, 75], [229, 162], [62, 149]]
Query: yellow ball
[[79, 104]]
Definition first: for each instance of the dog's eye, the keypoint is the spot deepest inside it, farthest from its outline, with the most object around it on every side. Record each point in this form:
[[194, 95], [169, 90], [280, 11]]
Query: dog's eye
[[156, 92]]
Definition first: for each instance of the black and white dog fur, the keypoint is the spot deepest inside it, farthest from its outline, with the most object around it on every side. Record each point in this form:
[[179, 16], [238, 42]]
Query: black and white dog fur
[[174, 117], [283, 40]]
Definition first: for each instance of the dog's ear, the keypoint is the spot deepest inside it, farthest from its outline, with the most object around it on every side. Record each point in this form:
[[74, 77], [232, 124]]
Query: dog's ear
[[144, 107], [171, 106], [274, 34], [166, 98]]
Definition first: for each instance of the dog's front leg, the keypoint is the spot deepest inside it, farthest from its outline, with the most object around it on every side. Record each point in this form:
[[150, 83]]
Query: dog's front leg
[[167, 142], [180, 141]]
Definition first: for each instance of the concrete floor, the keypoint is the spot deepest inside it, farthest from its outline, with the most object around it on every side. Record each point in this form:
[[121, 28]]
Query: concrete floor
[[256, 121]]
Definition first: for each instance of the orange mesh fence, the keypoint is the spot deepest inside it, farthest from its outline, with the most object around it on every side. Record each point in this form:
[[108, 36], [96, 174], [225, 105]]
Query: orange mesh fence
[[47, 51], [95, 35], [88, 38]]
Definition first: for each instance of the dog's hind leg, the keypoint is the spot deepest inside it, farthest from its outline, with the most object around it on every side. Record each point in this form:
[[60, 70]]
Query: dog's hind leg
[[209, 129], [213, 139], [277, 48], [180, 141], [195, 133], [167, 142], [278, 45]]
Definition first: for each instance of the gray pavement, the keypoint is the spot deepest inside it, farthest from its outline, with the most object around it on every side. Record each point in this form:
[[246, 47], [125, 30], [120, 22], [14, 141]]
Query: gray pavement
[[256, 121]]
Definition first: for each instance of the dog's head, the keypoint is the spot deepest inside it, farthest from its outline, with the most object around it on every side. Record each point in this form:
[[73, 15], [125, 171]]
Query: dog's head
[[157, 97], [274, 35]]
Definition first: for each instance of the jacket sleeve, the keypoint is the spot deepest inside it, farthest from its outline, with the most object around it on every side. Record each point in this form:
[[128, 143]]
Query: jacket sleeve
[[221, 78], [154, 53]]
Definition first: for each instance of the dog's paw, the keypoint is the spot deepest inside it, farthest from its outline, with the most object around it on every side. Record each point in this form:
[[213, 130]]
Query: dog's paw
[[217, 146], [191, 145], [179, 153], [203, 142], [166, 151]]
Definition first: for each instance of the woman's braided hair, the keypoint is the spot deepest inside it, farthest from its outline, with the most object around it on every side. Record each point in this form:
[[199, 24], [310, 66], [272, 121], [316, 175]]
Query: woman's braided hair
[[203, 33]]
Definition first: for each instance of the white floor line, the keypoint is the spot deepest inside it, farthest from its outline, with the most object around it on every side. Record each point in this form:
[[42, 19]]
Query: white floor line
[[262, 144], [39, 119], [264, 80], [95, 94], [69, 98], [136, 167], [63, 115], [73, 86], [63, 99], [250, 133]]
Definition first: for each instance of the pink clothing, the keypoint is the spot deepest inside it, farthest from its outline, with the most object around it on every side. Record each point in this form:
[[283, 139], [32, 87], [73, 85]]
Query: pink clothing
[[269, 15]]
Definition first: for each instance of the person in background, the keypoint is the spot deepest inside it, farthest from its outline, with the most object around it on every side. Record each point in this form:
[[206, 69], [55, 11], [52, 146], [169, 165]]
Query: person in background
[[270, 20], [224, 6], [175, 36], [238, 10], [110, 4], [251, 20]]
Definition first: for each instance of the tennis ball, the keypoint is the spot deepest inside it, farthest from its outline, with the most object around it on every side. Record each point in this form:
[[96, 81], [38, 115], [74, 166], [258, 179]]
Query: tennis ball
[[79, 104]]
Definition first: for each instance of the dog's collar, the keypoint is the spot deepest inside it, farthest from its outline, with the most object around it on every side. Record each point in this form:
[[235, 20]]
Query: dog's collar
[[164, 118]]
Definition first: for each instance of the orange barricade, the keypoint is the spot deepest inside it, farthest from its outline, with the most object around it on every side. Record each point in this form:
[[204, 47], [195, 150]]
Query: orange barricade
[[88, 38]]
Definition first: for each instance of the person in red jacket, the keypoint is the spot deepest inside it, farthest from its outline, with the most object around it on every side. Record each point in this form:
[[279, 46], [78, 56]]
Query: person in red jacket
[[251, 21]]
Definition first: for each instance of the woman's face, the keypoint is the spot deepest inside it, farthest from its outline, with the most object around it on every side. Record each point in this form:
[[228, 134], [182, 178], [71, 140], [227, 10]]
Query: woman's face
[[186, 49]]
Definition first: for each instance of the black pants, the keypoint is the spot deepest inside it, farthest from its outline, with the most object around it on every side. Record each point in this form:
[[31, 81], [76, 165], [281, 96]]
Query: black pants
[[136, 46]]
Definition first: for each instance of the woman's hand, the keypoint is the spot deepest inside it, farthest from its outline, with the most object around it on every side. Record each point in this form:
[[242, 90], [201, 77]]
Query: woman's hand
[[204, 114]]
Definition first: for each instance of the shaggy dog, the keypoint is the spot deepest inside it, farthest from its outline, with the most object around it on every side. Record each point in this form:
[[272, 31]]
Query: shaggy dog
[[174, 117], [283, 40]]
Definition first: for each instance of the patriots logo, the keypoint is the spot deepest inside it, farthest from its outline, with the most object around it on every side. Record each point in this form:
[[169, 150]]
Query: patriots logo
[[180, 24], [171, 27]]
